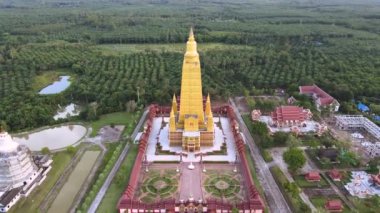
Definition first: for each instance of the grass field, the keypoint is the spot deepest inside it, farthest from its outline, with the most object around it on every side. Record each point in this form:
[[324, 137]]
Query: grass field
[[117, 118], [319, 203], [32, 203], [119, 183], [303, 183], [48, 77], [70, 189]]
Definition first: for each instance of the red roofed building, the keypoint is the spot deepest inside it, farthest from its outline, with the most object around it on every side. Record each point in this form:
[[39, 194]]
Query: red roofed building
[[376, 179], [321, 98], [335, 175], [287, 116], [334, 206], [313, 177]]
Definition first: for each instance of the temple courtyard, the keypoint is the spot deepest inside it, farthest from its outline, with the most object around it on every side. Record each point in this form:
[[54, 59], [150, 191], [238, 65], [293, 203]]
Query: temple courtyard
[[162, 181], [159, 149]]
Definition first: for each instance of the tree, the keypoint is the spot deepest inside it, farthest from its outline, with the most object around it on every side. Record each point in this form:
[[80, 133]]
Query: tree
[[348, 158], [3, 126], [373, 165], [280, 138], [295, 159], [45, 151], [259, 128], [70, 150], [251, 103], [131, 106], [375, 108], [292, 141]]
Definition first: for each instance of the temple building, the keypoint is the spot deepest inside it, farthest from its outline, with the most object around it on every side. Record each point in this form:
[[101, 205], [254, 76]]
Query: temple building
[[288, 116], [191, 121], [18, 173]]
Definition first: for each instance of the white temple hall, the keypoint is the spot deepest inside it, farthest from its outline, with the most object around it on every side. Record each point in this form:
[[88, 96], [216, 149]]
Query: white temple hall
[[18, 172]]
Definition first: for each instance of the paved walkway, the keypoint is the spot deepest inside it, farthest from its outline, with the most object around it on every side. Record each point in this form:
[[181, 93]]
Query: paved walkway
[[273, 195], [95, 203], [190, 183], [277, 160]]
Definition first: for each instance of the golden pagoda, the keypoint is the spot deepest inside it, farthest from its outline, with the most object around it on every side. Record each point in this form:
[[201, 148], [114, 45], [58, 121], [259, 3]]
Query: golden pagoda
[[191, 126]]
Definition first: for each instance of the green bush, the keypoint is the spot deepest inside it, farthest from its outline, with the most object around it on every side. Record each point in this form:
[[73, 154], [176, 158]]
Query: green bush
[[267, 156]]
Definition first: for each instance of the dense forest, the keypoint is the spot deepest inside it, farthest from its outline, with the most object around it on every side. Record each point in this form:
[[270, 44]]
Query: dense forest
[[118, 49]]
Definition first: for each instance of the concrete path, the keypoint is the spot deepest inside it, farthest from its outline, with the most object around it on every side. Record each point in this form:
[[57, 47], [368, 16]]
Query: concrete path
[[191, 182], [277, 160], [274, 197], [96, 202]]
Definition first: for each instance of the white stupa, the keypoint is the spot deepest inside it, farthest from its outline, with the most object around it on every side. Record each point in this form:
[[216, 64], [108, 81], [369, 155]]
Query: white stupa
[[16, 165]]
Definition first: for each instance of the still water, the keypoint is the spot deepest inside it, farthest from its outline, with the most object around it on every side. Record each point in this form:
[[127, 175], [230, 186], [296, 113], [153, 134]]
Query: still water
[[57, 86], [53, 138]]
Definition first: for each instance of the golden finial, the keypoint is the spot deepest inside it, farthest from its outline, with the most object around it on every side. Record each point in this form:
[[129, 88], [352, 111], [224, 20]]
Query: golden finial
[[191, 34]]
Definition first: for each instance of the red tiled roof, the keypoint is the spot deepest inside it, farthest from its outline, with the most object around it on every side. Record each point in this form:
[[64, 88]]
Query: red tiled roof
[[286, 113], [323, 97], [376, 178], [313, 176], [334, 205], [335, 174]]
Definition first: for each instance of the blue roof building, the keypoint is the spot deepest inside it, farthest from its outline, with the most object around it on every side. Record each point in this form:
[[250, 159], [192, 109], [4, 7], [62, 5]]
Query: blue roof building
[[362, 107]]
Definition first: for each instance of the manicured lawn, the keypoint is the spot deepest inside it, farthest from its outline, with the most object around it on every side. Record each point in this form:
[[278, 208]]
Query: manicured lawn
[[119, 183], [117, 118], [33, 201], [303, 183], [319, 202], [364, 205]]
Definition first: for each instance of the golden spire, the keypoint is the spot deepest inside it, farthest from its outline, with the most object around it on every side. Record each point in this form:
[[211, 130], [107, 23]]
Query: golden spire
[[191, 102], [210, 123], [191, 35], [208, 106], [174, 104], [172, 121], [191, 45]]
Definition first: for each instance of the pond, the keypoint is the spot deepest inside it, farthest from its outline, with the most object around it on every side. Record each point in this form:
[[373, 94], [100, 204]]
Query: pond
[[57, 86], [72, 186], [68, 111], [53, 138]]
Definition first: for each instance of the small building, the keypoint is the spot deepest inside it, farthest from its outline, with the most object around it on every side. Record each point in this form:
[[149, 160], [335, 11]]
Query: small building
[[376, 179], [313, 177], [334, 206], [362, 107], [321, 98], [287, 116], [291, 100], [255, 114], [335, 175]]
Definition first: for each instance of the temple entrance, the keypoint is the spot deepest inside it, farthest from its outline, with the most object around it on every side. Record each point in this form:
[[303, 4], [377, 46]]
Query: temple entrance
[[191, 147]]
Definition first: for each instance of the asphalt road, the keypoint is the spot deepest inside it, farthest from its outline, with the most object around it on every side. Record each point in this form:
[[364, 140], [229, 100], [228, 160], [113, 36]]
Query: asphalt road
[[96, 202], [275, 200]]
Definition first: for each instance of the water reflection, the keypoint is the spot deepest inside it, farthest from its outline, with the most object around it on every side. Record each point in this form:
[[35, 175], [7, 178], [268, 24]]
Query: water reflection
[[56, 86], [53, 138]]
